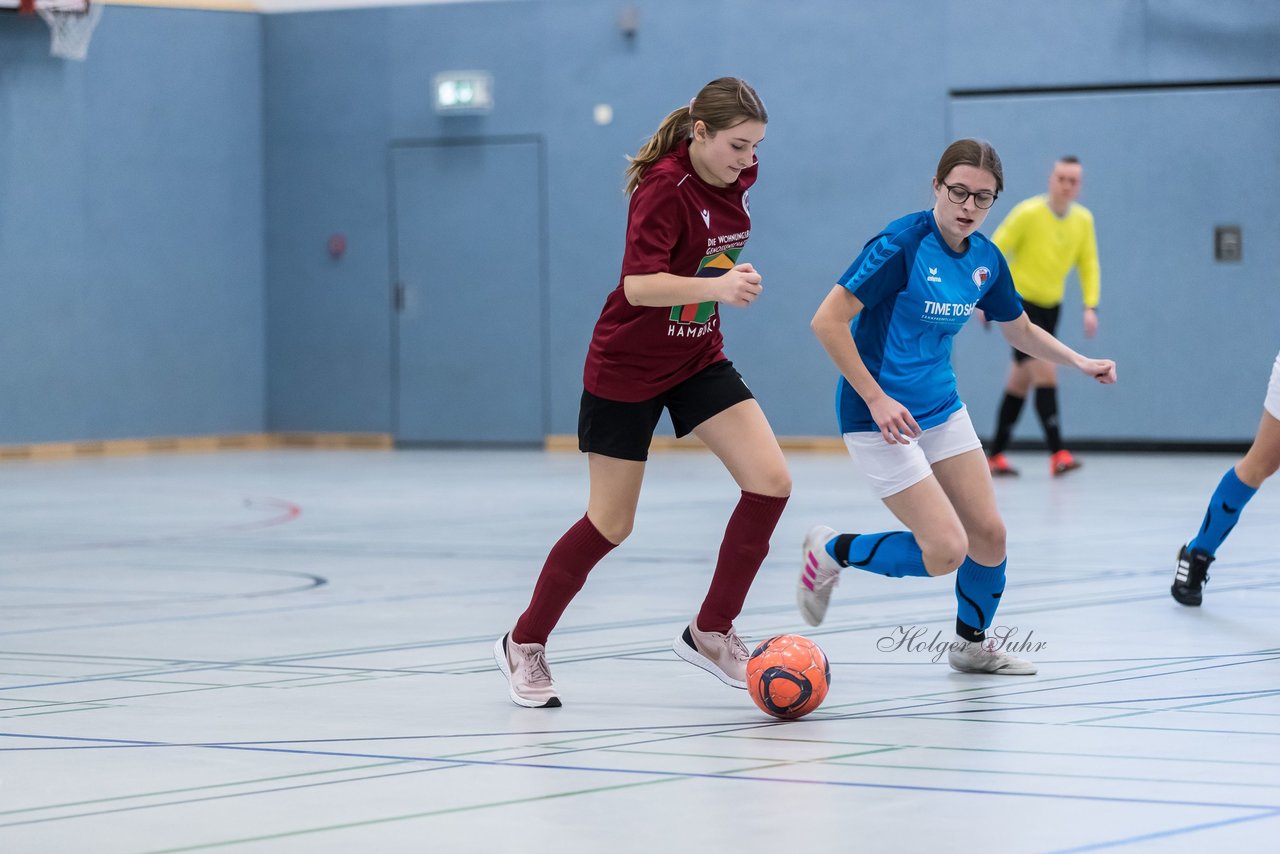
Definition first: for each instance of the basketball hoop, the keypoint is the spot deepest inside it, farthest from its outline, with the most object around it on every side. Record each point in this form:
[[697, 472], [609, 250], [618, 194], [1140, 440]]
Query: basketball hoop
[[71, 23]]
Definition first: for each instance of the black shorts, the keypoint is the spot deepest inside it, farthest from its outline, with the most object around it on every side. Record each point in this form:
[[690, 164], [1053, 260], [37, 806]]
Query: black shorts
[[1045, 318], [612, 428]]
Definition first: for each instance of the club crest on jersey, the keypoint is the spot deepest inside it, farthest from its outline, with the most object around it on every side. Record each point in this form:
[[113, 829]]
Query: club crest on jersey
[[980, 276]]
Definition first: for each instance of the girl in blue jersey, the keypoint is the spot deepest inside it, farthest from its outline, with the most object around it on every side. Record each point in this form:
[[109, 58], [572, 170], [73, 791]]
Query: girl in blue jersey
[[888, 325]]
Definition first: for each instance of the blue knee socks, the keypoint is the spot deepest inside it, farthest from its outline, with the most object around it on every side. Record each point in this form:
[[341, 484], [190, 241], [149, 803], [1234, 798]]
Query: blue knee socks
[[978, 591], [1228, 500], [895, 553]]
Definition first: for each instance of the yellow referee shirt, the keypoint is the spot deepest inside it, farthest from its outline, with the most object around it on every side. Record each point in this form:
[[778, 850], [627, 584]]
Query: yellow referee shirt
[[1042, 247]]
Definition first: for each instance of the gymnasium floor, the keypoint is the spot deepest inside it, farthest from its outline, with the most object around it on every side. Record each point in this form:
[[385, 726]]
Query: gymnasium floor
[[291, 651]]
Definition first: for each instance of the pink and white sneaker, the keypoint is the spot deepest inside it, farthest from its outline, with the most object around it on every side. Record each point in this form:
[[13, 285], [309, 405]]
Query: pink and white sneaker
[[724, 656], [529, 677], [819, 575]]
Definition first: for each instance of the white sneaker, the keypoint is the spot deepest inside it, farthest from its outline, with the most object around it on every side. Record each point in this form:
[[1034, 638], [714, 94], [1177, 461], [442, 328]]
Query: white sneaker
[[525, 666], [724, 656], [819, 574], [985, 657]]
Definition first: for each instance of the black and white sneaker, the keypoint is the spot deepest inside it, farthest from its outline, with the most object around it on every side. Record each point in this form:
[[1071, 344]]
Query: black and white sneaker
[[1190, 575]]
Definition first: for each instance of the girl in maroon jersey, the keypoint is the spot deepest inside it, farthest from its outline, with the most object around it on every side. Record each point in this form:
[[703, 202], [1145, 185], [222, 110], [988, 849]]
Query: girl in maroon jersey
[[657, 345]]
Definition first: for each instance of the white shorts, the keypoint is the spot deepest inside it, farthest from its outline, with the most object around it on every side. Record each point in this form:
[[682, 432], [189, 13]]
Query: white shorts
[[892, 468], [1272, 403]]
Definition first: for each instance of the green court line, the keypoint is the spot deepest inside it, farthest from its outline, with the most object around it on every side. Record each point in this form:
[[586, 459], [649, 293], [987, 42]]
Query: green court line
[[1196, 709], [1002, 751], [455, 810], [205, 788], [1103, 776], [428, 814], [763, 764], [18, 703], [552, 746], [772, 764], [283, 684], [214, 797], [1196, 731], [842, 759], [958, 717], [82, 707]]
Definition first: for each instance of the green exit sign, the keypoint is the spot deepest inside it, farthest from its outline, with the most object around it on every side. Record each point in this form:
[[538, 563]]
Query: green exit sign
[[464, 92]]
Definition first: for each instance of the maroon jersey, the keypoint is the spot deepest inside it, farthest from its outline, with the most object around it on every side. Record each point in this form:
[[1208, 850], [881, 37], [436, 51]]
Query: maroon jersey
[[682, 225]]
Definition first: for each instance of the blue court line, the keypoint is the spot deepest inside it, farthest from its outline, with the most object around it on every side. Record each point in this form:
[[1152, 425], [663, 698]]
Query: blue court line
[[997, 696], [1205, 708], [1238, 695], [185, 666], [645, 772], [1164, 834], [286, 660], [1055, 605], [760, 779], [870, 713]]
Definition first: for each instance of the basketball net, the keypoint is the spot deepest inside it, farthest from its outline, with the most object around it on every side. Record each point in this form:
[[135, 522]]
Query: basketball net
[[72, 27]]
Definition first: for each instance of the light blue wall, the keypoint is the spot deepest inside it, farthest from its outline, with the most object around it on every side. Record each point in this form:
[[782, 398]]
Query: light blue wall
[[859, 96], [164, 207], [1194, 338], [327, 92], [131, 240], [552, 62]]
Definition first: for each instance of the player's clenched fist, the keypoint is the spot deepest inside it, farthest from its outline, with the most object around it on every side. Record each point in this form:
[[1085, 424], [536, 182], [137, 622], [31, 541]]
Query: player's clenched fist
[[740, 286]]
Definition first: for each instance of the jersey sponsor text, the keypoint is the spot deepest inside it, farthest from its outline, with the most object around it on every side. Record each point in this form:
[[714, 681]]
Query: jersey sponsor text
[[934, 309]]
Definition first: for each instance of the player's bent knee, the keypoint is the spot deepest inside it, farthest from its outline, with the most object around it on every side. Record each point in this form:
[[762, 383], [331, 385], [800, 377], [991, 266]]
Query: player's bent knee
[[1253, 472], [1259, 464], [989, 537], [778, 485], [943, 556], [775, 484], [614, 530]]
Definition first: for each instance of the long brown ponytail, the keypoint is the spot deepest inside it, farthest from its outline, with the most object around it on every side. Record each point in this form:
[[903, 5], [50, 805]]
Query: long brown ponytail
[[722, 103]]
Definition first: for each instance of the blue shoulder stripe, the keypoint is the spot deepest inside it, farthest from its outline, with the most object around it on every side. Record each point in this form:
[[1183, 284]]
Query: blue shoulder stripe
[[877, 255]]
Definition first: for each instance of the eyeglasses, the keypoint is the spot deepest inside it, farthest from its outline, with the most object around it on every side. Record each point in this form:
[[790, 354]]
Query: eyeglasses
[[960, 194]]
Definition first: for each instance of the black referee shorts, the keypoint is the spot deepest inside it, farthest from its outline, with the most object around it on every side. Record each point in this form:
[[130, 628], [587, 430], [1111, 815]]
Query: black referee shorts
[[624, 431], [1045, 318]]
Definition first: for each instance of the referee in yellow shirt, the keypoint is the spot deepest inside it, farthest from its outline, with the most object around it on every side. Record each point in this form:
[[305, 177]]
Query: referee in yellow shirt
[[1043, 238]]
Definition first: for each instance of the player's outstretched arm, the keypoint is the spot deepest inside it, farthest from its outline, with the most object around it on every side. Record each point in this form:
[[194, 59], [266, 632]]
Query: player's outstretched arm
[[1037, 343]]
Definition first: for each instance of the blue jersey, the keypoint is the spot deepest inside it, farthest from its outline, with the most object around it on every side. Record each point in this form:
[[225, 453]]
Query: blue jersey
[[917, 294]]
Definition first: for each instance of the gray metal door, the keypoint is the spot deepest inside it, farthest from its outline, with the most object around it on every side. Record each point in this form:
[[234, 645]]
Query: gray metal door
[[470, 324]]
